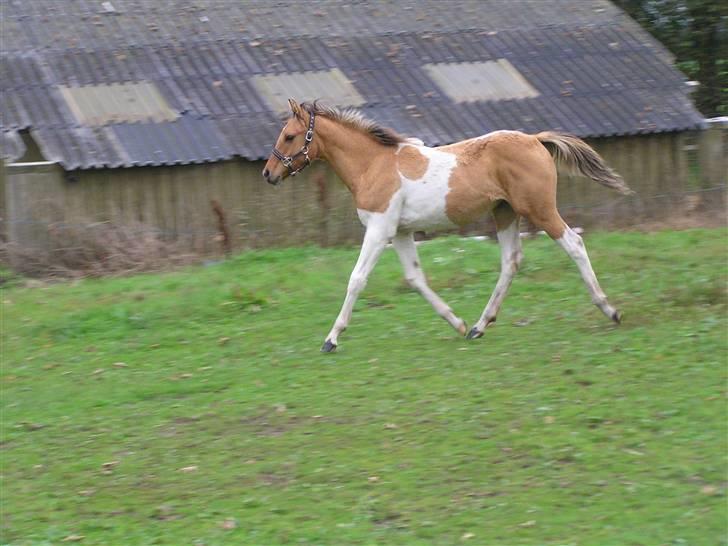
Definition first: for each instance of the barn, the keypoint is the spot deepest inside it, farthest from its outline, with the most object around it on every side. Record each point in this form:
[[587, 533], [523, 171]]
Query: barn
[[159, 115]]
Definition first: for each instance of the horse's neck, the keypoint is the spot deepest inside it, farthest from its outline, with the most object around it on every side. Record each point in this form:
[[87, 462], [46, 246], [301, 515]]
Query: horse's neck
[[350, 153]]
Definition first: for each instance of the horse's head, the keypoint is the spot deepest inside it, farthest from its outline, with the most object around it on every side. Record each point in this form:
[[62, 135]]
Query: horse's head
[[291, 152]]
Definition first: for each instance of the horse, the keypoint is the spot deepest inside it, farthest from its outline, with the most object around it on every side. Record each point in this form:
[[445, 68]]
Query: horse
[[401, 186]]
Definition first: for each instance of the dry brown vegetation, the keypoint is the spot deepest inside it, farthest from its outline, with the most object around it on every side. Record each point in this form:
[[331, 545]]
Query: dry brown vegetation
[[98, 249]]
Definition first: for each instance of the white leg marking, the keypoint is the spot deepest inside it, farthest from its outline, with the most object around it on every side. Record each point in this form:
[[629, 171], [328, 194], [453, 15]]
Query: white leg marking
[[511, 256], [404, 244], [573, 244], [374, 241]]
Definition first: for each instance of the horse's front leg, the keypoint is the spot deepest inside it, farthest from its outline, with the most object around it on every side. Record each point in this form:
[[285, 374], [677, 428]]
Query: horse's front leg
[[375, 239]]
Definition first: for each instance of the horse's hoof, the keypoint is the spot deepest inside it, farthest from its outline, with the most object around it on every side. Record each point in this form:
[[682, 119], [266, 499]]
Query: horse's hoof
[[463, 328], [474, 333], [617, 317], [328, 347]]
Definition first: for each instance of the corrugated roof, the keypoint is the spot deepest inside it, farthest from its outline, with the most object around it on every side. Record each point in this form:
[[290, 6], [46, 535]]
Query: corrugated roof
[[489, 80], [595, 71], [84, 23]]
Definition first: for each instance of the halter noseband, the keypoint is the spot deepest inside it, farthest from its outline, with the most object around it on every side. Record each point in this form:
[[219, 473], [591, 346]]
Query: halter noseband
[[288, 160]]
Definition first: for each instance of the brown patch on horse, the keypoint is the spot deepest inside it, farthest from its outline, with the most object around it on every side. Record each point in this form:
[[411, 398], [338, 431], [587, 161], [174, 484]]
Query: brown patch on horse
[[508, 166], [411, 163], [473, 187], [375, 190], [527, 174]]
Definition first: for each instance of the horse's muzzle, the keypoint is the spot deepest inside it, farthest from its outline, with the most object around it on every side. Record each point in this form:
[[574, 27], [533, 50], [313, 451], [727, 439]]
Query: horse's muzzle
[[273, 180]]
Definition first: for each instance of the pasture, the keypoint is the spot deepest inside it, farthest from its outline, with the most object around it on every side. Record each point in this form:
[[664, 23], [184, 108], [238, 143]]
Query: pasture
[[194, 407]]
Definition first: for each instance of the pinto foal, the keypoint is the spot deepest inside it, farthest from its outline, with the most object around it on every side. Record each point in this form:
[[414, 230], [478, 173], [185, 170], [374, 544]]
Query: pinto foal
[[401, 186]]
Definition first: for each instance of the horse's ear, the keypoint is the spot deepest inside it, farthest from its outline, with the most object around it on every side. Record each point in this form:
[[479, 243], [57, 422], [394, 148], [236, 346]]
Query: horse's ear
[[295, 108]]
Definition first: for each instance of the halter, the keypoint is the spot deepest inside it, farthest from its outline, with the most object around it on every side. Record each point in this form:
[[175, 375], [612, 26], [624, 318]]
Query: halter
[[288, 160]]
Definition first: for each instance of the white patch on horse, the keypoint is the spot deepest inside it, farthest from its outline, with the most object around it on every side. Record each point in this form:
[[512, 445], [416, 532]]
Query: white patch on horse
[[424, 202], [413, 140], [495, 133]]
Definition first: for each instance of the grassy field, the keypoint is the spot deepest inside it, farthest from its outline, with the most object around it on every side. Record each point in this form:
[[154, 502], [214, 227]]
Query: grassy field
[[194, 407]]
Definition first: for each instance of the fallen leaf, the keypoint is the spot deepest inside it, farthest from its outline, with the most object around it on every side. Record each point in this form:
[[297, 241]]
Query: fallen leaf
[[390, 426], [120, 365], [530, 523], [709, 490], [229, 523], [73, 538], [373, 479], [549, 419], [467, 536], [165, 512], [192, 468]]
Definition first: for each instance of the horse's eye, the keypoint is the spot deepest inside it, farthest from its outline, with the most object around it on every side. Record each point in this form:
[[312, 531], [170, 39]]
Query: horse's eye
[[290, 137]]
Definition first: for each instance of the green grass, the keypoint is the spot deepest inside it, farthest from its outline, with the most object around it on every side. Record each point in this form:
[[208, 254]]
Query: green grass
[[194, 407]]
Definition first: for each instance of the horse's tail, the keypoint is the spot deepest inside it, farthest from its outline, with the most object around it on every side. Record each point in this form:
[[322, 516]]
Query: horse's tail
[[578, 155]]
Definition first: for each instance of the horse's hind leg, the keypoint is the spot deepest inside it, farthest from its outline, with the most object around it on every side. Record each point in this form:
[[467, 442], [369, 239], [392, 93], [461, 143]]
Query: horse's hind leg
[[404, 244], [509, 238], [573, 244], [551, 222]]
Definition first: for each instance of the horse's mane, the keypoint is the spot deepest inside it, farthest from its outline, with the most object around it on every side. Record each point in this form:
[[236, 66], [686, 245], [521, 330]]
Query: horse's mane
[[354, 119]]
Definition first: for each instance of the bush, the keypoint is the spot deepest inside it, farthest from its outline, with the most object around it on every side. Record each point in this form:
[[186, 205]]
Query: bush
[[97, 249]]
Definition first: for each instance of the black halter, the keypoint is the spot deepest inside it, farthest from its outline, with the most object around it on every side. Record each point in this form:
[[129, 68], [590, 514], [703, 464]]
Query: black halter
[[288, 160]]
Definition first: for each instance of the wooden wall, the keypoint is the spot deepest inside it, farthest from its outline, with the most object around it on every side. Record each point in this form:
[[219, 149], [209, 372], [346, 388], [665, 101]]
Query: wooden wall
[[315, 208]]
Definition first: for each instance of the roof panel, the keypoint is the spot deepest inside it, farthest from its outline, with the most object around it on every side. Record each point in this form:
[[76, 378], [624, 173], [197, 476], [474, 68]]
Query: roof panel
[[594, 70], [12, 146], [490, 80], [96, 105], [331, 86], [186, 140]]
